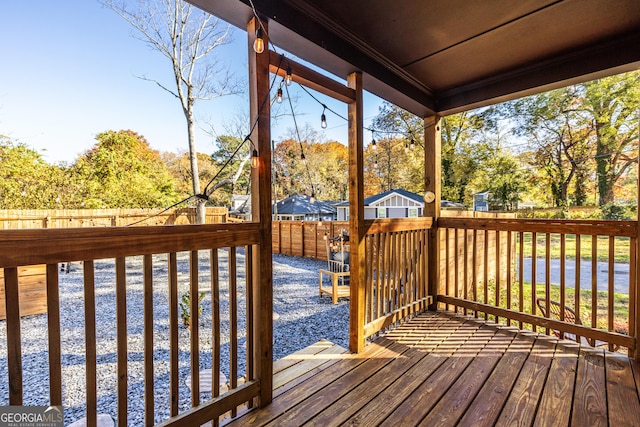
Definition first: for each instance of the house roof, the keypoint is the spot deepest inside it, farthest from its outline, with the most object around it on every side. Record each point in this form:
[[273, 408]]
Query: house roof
[[446, 56], [300, 204], [372, 200]]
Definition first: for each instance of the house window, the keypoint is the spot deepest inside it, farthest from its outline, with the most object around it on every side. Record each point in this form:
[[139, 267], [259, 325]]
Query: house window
[[382, 212], [412, 212]]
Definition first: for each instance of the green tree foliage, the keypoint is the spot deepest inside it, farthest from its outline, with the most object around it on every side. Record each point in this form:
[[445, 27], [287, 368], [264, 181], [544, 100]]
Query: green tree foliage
[[613, 104], [122, 171], [577, 132], [504, 179], [463, 150], [236, 176], [26, 180]]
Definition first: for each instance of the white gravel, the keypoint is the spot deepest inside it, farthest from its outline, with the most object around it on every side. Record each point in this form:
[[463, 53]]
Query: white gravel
[[304, 319]]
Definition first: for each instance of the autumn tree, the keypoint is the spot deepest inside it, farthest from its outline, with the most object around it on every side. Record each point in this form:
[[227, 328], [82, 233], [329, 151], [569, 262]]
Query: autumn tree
[[187, 37], [122, 171]]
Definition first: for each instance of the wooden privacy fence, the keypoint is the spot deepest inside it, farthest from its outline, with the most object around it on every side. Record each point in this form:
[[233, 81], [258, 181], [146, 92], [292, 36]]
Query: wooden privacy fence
[[225, 245], [556, 260], [76, 218]]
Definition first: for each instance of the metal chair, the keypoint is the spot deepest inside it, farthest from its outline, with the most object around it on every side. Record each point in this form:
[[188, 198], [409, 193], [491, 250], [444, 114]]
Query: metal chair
[[552, 310]]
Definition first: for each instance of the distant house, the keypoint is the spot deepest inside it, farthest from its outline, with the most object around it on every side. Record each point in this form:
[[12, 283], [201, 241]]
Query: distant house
[[240, 207], [299, 207], [396, 203]]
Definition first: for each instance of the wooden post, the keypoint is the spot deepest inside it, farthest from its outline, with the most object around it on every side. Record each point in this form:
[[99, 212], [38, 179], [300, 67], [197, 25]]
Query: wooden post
[[633, 310], [356, 218], [260, 110], [432, 174]]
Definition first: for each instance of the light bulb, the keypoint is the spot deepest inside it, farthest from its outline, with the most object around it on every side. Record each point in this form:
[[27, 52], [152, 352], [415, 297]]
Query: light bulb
[[313, 197], [303, 158], [279, 97], [254, 159], [319, 222], [373, 144], [323, 121], [287, 77], [258, 43], [406, 147], [412, 145]]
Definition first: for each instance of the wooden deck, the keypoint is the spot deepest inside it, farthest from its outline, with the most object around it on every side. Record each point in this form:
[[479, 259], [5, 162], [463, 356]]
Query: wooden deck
[[442, 369]]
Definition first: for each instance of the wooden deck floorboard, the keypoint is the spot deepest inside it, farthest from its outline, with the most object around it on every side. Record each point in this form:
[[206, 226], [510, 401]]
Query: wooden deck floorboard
[[442, 369]]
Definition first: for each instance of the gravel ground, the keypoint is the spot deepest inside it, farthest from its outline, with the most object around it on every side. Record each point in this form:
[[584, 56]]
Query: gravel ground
[[304, 319]]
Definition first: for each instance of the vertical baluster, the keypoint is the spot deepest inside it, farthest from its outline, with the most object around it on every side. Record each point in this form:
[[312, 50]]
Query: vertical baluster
[[369, 294], [534, 272], [174, 368], [576, 307], [53, 319], [547, 271], [215, 327], [633, 299], [594, 281], [474, 269], [509, 272], [249, 316], [456, 270], [486, 270], [233, 315], [498, 273], [447, 257], [563, 271], [610, 293], [148, 341], [14, 347], [194, 323], [90, 342], [521, 275], [386, 272], [378, 275], [465, 269], [121, 332]]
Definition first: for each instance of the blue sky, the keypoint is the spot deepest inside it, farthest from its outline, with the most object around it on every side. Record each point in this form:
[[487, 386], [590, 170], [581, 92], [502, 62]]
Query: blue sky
[[69, 71]]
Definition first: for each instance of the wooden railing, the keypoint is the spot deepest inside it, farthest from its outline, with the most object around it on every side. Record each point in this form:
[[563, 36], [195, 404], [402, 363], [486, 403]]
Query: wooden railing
[[160, 244], [577, 264], [396, 271]]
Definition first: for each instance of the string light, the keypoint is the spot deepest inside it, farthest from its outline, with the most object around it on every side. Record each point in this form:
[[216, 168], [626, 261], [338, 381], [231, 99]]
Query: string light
[[303, 158], [373, 141], [287, 77], [406, 147], [279, 96], [258, 43], [412, 145], [313, 197], [254, 159], [323, 118]]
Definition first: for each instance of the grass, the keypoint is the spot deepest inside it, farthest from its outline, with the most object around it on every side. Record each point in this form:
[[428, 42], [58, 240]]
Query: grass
[[621, 247], [620, 303]]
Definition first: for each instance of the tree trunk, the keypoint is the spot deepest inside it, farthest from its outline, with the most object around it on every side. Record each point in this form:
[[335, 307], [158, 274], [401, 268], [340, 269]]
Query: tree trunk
[[195, 173]]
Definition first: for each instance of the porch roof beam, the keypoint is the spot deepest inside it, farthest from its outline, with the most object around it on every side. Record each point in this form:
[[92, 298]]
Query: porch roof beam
[[279, 64]]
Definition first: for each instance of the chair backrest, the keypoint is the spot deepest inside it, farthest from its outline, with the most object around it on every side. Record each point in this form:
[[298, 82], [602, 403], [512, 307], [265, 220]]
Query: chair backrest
[[554, 309], [337, 255]]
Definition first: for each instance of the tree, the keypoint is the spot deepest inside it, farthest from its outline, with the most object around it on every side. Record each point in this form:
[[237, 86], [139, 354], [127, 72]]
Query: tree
[[187, 37], [613, 103], [504, 179], [26, 180], [558, 130], [122, 171]]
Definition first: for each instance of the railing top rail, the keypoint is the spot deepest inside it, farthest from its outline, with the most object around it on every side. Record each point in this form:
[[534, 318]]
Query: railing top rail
[[587, 227], [49, 246], [389, 225]]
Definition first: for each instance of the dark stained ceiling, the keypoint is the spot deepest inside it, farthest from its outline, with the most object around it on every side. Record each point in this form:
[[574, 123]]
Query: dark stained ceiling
[[445, 56]]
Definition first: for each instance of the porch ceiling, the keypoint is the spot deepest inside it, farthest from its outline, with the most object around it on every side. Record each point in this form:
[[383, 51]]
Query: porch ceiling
[[445, 56]]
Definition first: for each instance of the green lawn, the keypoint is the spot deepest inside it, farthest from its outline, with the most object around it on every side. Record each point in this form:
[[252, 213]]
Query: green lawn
[[621, 247], [620, 303]]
